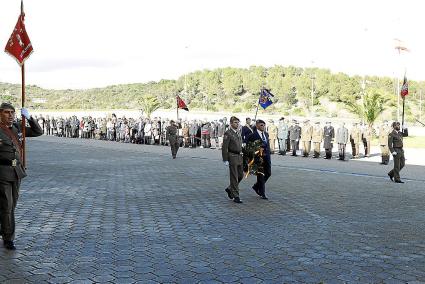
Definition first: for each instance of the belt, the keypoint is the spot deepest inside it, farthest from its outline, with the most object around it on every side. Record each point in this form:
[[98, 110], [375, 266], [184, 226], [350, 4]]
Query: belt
[[234, 152], [12, 163]]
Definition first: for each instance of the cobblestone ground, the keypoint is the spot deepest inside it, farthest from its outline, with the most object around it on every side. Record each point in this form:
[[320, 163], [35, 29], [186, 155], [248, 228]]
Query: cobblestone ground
[[98, 212]]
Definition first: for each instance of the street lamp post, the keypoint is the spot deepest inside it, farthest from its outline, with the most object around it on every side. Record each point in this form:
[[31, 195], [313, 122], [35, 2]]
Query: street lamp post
[[362, 97], [312, 77]]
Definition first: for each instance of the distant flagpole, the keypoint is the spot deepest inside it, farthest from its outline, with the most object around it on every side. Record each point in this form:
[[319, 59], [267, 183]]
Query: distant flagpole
[[258, 104]]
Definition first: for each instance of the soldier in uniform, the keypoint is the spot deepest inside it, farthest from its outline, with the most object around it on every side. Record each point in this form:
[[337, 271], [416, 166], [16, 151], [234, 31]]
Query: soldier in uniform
[[395, 143], [317, 138], [306, 133], [11, 168], [282, 135], [355, 138], [367, 137], [272, 130], [328, 137], [294, 136], [247, 129], [384, 131], [172, 137], [232, 157], [221, 128], [342, 140]]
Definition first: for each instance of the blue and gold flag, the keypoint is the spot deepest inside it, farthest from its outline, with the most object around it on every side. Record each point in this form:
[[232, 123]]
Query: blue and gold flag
[[265, 98]]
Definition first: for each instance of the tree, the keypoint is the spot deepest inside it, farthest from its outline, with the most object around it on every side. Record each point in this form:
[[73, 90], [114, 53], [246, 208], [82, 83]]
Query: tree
[[373, 105], [149, 104]]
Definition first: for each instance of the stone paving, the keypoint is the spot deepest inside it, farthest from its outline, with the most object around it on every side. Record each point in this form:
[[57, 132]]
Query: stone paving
[[104, 212]]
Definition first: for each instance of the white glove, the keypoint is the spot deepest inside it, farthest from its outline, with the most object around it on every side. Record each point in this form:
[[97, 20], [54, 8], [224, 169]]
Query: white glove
[[25, 113], [226, 163], [243, 144], [394, 153]]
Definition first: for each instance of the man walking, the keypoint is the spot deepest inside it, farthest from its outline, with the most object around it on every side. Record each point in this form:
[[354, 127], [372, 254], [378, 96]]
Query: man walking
[[173, 138], [11, 168], [395, 143], [231, 151], [260, 134]]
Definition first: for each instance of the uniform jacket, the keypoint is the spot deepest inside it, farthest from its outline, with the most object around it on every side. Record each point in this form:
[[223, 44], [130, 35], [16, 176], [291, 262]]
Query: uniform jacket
[[328, 136], [367, 133], [384, 131], [356, 135], [272, 130], [317, 134], [341, 135], [395, 140], [294, 132], [171, 133], [232, 147], [282, 130], [9, 152], [306, 132]]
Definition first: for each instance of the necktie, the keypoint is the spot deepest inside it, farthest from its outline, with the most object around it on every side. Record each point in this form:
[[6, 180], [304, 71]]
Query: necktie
[[262, 136]]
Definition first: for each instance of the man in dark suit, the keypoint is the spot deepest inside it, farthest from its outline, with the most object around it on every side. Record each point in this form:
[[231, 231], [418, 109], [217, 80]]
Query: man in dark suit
[[260, 134], [395, 143], [11, 168], [247, 129], [232, 157]]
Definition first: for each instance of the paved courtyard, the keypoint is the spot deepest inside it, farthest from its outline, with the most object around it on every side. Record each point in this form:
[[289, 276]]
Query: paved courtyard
[[99, 212]]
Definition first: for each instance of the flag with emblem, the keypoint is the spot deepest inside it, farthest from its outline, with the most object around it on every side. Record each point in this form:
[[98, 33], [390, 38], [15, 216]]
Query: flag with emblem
[[181, 104], [265, 98], [19, 44], [404, 88]]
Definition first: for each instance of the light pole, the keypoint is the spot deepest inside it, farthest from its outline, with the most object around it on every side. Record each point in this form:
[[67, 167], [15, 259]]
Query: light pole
[[399, 46], [362, 97], [312, 77]]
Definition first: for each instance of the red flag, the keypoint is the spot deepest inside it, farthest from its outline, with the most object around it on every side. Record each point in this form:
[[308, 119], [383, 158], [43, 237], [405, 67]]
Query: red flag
[[404, 88], [181, 104], [19, 45]]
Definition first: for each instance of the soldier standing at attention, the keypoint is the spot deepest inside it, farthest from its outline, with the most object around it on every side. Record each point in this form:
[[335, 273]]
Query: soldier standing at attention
[[173, 138], [282, 135], [367, 137], [329, 136], [395, 143], [317, 138], [355, 138], [294, 136], [272, 130], [11, 168], [306, 133], [232, 157], [384, 131], [342, 140]]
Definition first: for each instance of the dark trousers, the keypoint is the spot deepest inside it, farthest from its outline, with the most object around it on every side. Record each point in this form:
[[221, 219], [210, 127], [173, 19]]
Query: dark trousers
[[236, 175], [294, 147], [174, 143], [260, 185], [9, 192], [399, 162], [341, 151]]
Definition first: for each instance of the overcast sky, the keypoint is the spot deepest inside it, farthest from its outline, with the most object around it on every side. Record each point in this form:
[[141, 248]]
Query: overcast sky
[[96, 43]]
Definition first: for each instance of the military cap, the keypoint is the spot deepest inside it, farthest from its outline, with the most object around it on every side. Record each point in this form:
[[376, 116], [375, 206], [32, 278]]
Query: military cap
[[317, 122], [6, 106], [282, 118]]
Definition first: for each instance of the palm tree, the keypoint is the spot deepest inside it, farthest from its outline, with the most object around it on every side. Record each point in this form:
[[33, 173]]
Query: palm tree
[[149, 104], [373, 105]]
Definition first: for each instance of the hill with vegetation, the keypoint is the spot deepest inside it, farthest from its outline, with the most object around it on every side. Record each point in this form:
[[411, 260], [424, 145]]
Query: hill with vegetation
[[297, 91]]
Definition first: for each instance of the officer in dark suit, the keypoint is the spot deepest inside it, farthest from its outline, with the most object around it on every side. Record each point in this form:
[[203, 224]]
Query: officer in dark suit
[[232, 157], [11, 168], [247, 129], [260, 134], [395, 143]]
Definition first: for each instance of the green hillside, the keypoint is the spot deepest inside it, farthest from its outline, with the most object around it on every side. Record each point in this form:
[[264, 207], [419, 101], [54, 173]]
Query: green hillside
[[235, 89]]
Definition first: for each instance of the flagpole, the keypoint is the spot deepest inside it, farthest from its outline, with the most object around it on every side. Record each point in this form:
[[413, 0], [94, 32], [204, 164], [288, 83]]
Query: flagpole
[[177, 105], [402, 117], [23, 124], [258, 103]]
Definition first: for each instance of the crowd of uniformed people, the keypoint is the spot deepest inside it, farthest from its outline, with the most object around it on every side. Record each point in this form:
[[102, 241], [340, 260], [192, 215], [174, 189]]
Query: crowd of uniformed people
[[297, 138]]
